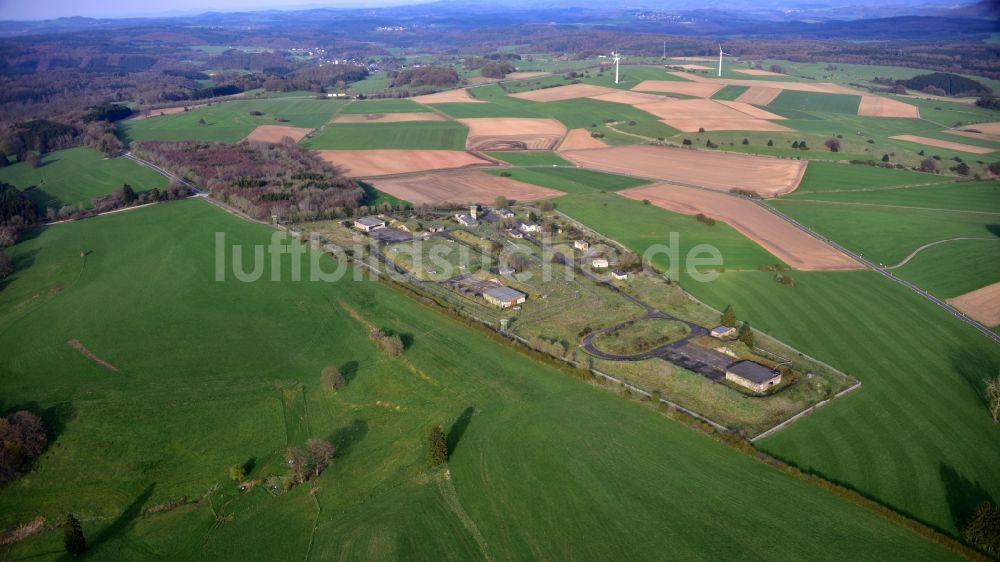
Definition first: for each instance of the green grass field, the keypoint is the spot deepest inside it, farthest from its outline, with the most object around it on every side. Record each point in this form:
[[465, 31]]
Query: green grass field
[[954, 268], [729, 93], [883, 233], [973, 196], [75, 176], [193, 396], [413, 135], [829, 176], [813, 101], [384, 106], [230, 121]]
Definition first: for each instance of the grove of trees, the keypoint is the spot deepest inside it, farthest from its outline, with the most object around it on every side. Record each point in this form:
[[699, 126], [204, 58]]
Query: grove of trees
[[22, 440]]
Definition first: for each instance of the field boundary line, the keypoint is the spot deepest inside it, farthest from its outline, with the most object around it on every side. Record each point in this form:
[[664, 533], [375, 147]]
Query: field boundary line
[[908, 207]]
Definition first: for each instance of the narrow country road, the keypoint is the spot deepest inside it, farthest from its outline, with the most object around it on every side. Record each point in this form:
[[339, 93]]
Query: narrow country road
[[907, 259]]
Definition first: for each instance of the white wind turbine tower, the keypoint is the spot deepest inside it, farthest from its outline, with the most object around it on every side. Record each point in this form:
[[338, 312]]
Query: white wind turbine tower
[[616, 57], [720, 59]]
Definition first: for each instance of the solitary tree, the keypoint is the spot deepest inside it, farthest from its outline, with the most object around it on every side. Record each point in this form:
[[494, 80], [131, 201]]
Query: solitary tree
[[928, 165], [729, 316], [332, 378], [322, 454], [770, 142], [500, 201], [885, 157], [73, 538], [833, 144], [746, 334], [437, 447], [237, 473], [983, 528]]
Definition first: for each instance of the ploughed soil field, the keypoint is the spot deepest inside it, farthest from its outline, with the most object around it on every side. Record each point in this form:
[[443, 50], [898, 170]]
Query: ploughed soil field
[[720, 171], [984, 131], [580, 139], [462, 187], [759, 95], [982, 304], [387, 117], [878, 106], [568, 92], [365, 163], [275, 133], [792, 246], [510, 133]]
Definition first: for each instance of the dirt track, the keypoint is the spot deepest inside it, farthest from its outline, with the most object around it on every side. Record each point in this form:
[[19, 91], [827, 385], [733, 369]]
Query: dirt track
[[365, 163], [568, 92], [463, 187], [275, 133], [713, 170], [511, 133], [388, 117], [971, 149], [878, 106], [580, 139], [451, 96], [789, 244], [983, 304]]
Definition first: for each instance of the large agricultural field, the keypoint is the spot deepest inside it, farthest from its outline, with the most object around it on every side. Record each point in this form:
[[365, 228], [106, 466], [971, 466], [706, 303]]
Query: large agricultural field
[[272, 399]]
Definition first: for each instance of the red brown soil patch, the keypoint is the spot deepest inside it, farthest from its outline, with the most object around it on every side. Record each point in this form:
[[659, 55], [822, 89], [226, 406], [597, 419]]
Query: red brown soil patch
[[568, 92], [388, 117], [275, 133], [451, 96], [984, 131], [759, 95], [878, 106], [757, 72], [691, 115], [697, 89], [720, 171], [365, 163], [75, 344], [512, 133], [983, 304], [945, 144], [789, 244], [462, 187], [580, 139]]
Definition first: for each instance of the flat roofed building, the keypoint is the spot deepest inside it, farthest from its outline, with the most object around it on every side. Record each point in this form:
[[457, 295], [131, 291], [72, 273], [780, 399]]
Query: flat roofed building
[[368, 224], [754, 376], [504, 297], [599, 263], [723, 332]]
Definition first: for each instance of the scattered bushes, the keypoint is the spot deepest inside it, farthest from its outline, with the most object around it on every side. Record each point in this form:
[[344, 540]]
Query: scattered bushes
[[832, 144], [702, 218]]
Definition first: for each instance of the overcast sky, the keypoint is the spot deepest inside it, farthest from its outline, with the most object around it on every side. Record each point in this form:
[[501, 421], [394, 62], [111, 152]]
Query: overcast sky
[[47, 9]]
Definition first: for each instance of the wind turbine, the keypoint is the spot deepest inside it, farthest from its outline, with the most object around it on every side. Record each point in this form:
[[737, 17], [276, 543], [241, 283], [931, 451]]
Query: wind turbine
[[616, 57], [720, 59]]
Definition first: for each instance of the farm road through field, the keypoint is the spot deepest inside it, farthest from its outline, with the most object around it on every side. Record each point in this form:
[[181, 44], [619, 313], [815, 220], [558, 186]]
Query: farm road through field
[[925, 246]]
